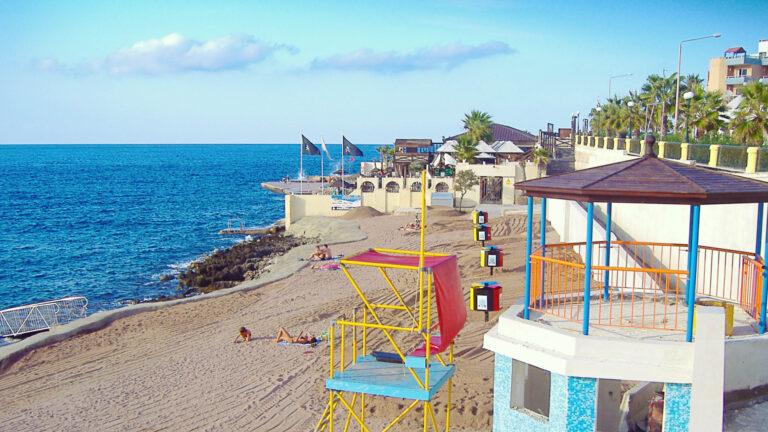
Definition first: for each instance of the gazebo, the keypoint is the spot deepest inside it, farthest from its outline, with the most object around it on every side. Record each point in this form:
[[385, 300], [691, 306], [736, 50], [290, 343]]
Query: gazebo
[[641, 284]]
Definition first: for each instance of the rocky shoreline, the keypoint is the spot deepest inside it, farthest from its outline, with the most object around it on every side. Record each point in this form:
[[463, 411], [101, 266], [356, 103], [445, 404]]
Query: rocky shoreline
[[238, 263]]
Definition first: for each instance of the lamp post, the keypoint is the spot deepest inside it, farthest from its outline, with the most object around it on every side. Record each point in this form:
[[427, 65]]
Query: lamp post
[[630, 104], [679, 57], [615, 76], [687, 96]]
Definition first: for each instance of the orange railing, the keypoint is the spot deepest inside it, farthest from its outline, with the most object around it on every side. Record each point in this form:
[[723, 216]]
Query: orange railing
[[644, 285], [751, 287]]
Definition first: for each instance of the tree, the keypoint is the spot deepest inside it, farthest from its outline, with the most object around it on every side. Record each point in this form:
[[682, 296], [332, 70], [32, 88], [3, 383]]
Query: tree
[[478, 126], [463, 182], [704, 114], [466, 149], [384, 152], [660, 92], [540, 157], [750, 125]]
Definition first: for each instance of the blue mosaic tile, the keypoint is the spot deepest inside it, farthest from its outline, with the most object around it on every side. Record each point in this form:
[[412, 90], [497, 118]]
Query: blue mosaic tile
[[582, 400], [677, 407], [506, 419]]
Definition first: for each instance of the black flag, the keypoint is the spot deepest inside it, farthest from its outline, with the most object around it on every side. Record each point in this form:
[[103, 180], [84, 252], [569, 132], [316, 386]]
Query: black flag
[[348, 148], [307, 148]]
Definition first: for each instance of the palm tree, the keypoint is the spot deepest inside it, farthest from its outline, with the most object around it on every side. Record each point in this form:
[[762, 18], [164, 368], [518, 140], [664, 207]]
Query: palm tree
[[704, 114], [540, 157], [661, 91], [466, 149], [383, 151], [614, 117], [478, 126], [751, 121], [692, 82]]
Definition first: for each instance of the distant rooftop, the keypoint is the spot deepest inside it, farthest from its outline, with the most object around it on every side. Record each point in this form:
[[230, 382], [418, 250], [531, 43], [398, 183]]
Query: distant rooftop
[[505, 133]]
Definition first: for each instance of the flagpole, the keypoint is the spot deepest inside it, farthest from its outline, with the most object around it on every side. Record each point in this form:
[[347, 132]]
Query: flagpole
[[343, 186], [301, 165], [322, 170]]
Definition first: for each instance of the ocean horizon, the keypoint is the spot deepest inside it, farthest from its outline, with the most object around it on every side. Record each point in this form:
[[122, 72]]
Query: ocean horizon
[[109, 221]]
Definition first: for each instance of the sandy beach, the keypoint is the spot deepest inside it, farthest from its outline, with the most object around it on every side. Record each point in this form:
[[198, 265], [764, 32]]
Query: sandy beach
[[176, 367]]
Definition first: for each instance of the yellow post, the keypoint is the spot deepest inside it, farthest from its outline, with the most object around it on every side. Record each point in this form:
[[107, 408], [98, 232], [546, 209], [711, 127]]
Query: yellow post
[[330, 342], [428, 330], [343, 346], [330, 412], [662, 146], [751, 160], [354, 337], [684, 151], [642, 147], [627, 143], [365, 331], [714, 151]]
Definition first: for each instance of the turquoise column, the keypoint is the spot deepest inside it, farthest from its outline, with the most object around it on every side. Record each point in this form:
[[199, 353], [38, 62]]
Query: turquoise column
[[690, 255], [692, 278], [607, 249], [528, 240], [588, 268], [764, 299], [543, 244], [759, 236]]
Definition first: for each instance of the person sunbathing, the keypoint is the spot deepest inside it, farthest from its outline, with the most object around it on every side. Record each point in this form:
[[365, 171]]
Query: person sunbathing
[[284, 336], [326, 252], [317, 255], [412, 226], [244, 333]]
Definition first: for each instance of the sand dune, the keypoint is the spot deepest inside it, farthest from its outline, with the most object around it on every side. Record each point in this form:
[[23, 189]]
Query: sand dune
[[177, 368]]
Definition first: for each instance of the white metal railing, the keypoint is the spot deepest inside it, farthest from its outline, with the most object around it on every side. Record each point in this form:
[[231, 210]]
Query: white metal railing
[[41, 316]]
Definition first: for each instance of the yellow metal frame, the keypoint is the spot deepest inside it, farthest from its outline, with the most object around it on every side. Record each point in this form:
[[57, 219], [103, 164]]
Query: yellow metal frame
[[420, 316]]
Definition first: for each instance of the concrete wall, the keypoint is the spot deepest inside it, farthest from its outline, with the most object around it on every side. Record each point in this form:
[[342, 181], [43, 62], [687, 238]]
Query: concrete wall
[[298, 206], [693, 372], [716, 74]]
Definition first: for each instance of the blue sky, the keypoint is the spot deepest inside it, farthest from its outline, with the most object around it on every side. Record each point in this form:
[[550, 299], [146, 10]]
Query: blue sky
[[266, 72]]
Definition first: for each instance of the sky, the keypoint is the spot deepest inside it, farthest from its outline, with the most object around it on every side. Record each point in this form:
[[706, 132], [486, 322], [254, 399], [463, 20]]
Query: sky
[[268, 71]]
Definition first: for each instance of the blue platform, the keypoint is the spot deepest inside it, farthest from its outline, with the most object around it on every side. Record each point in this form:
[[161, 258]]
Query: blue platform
[[370, 376]]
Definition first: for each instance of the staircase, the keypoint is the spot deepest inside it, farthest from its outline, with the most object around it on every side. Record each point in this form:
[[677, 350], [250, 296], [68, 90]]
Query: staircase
[[562, 159]]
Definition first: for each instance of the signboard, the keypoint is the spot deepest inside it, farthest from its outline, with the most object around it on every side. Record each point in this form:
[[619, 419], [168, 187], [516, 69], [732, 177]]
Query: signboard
[[482, 303], [345, 202]]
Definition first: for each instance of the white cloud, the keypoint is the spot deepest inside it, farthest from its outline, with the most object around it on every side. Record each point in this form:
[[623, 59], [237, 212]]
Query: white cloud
[[435, 57], [176, 53]]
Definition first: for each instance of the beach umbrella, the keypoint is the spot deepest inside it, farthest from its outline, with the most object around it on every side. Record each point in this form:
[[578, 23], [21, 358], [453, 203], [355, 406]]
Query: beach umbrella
[[482, 147], [448, 147]]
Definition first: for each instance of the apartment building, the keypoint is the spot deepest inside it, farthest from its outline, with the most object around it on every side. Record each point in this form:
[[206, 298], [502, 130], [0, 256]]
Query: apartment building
[[737, 68]]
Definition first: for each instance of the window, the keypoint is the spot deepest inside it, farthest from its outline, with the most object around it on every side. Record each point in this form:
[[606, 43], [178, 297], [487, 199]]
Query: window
[[530, 388], [393, 187], [367, 187], [416, 187], [441, 187], [743, 72]]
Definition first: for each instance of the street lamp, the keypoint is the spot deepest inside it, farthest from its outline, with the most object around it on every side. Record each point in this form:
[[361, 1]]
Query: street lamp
[[630, 104], [616, 76], [687, 96], [679, 56]]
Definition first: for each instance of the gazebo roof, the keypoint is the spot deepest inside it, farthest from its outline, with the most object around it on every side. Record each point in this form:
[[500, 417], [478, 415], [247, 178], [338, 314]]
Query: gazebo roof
[[649, 180]]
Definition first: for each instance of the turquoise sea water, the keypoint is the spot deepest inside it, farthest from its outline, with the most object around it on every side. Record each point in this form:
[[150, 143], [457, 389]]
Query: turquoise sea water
[[108, 221]]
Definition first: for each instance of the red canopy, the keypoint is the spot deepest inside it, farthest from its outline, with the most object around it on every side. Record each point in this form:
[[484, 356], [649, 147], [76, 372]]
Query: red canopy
[[451, 310]]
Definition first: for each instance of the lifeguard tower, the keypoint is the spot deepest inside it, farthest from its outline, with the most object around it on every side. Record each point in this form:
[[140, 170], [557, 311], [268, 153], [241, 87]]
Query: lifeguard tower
[[388, 368]]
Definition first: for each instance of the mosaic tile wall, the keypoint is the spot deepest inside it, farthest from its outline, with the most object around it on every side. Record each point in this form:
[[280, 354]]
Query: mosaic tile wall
[[677, 407]]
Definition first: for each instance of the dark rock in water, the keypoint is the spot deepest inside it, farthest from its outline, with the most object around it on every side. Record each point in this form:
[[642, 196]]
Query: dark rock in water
[[167, 277], [244, 261]]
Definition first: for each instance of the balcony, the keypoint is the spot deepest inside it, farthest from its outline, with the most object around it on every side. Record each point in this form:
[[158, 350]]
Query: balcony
[[738, 80], [746, 60]]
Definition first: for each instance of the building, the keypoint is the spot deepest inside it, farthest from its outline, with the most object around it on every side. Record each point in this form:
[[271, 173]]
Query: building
[[737, 68], [501, 132]]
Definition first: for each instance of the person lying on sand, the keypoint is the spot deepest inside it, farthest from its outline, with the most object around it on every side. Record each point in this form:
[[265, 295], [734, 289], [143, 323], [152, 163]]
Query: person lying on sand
[[284, 336], [413, 226], [244, 333]]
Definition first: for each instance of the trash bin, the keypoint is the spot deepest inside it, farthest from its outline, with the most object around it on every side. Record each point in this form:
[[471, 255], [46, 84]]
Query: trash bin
[[728, 306]]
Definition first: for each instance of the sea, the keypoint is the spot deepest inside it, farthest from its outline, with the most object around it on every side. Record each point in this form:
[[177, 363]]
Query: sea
[[109, 221]]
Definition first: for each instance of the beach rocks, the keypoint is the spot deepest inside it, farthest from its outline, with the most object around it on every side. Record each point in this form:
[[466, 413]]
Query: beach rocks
[[244, 261]]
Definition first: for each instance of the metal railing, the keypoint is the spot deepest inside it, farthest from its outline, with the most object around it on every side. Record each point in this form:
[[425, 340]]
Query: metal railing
[[37, 317], [643, 285]]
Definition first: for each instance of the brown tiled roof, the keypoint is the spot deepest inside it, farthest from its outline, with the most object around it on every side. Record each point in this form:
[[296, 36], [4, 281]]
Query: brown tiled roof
[[735, 50], [405, 142], [649, 180], [504, 133]]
